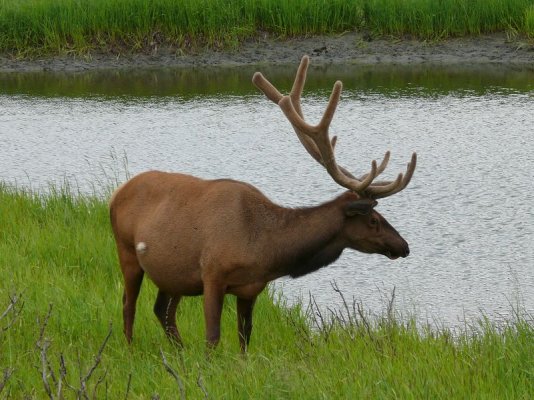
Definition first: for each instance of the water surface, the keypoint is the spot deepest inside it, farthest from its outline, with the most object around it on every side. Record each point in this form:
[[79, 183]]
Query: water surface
[[468, 213]]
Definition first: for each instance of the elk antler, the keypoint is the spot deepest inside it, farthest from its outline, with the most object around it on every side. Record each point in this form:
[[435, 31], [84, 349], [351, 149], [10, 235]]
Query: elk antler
[[316, 139]]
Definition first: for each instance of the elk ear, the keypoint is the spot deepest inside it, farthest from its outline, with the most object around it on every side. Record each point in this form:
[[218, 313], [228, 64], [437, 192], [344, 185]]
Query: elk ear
[[360, 207]]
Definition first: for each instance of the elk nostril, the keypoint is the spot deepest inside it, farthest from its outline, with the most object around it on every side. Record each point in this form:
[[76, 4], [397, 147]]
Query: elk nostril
[[407, 252]]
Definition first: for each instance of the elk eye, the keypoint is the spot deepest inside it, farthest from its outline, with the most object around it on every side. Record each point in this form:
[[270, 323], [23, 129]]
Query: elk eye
[[374, 221]]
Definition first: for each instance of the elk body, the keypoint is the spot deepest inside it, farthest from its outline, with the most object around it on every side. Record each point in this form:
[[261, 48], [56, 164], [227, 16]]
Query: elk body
[[216, 237]]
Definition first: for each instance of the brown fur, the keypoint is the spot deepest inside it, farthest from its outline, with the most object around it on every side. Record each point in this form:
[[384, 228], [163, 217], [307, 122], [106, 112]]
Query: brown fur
[[215, 237]]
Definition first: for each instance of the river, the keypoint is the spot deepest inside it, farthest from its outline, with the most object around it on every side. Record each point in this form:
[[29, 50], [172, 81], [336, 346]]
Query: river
[[468, 213]]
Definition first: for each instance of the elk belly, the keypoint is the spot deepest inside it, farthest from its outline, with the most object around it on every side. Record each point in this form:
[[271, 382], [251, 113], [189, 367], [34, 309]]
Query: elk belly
[[169, 272]]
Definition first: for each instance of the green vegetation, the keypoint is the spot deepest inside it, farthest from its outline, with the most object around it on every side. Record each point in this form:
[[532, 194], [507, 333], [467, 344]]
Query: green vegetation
[[60, 26], [445, 18], [61, 288], [529, 21]]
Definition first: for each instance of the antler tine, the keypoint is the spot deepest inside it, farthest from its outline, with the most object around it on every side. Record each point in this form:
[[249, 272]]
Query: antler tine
[[298, 85], [295, 95], [287, 106], [331, 106], [266, 87], [296, 91], [275, 96], [381, 167], [384, 189], [384, 162]]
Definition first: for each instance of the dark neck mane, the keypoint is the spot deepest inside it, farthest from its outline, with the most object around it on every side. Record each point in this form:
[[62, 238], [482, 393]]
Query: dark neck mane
[[315, 260], [309, 238]]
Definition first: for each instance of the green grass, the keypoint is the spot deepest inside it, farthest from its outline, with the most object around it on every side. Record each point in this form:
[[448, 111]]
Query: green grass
[[529, 21], [57, 254], [62, 26], [433, 19]]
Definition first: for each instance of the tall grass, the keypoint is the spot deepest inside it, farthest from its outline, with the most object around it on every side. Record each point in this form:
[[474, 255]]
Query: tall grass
[[445, 18], [44, 26], [60, 289], [54, 25], [529, 21]]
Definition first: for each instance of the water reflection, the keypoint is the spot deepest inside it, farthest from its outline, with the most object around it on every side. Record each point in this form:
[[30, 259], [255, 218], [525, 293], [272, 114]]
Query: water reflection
[[188, 83]]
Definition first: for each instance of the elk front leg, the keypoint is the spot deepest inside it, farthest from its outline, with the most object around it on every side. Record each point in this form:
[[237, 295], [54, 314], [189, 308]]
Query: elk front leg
[[165, 310], [213, 304], [244, 321]]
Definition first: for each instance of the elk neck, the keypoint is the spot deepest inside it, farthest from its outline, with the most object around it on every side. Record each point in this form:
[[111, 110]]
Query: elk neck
[[310, 238]]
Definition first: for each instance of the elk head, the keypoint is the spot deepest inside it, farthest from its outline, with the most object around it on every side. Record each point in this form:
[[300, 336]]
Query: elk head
[[365, 229], [369, 232]]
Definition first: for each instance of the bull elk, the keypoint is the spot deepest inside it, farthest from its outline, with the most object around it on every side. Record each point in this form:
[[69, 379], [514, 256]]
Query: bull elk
[[213, 237]]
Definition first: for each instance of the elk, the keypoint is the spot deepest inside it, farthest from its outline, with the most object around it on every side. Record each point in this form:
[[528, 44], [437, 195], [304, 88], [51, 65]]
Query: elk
[[215, 237]]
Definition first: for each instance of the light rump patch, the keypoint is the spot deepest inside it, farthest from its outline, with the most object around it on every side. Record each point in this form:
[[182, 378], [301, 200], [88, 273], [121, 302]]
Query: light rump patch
[[141, 247]]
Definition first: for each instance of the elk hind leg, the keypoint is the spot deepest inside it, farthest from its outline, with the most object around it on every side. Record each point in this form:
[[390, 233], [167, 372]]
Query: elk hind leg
[[244, 321], [133, 278], [165, 310]]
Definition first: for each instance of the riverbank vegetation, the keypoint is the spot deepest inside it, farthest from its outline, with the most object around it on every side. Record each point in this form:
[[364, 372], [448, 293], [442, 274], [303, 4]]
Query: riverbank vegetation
[[61, 331], [33, 27]]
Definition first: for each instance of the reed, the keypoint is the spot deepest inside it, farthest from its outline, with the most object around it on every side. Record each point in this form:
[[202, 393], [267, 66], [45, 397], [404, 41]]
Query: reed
[[63, 26], [61, 336], [529, 21], [432, 19]]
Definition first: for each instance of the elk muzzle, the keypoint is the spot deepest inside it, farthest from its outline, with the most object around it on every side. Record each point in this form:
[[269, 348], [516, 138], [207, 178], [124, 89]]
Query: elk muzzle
[[400, 249]]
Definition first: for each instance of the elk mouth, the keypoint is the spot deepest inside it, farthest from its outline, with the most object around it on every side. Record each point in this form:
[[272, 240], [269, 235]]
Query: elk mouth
[[391, 256]]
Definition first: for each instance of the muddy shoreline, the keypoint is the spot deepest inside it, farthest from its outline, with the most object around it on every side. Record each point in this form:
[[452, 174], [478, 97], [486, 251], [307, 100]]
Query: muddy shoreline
[[495, 50]]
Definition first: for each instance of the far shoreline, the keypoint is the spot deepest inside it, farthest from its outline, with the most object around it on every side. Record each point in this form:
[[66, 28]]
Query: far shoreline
[[495, 50]]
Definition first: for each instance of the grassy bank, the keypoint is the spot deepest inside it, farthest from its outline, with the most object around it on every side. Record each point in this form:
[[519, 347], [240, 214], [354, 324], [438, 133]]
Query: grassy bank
[[60, 298], [59, 26]]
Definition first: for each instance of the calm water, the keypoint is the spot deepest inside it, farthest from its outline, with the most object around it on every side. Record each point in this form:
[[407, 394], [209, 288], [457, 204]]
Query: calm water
[[468, 213]]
